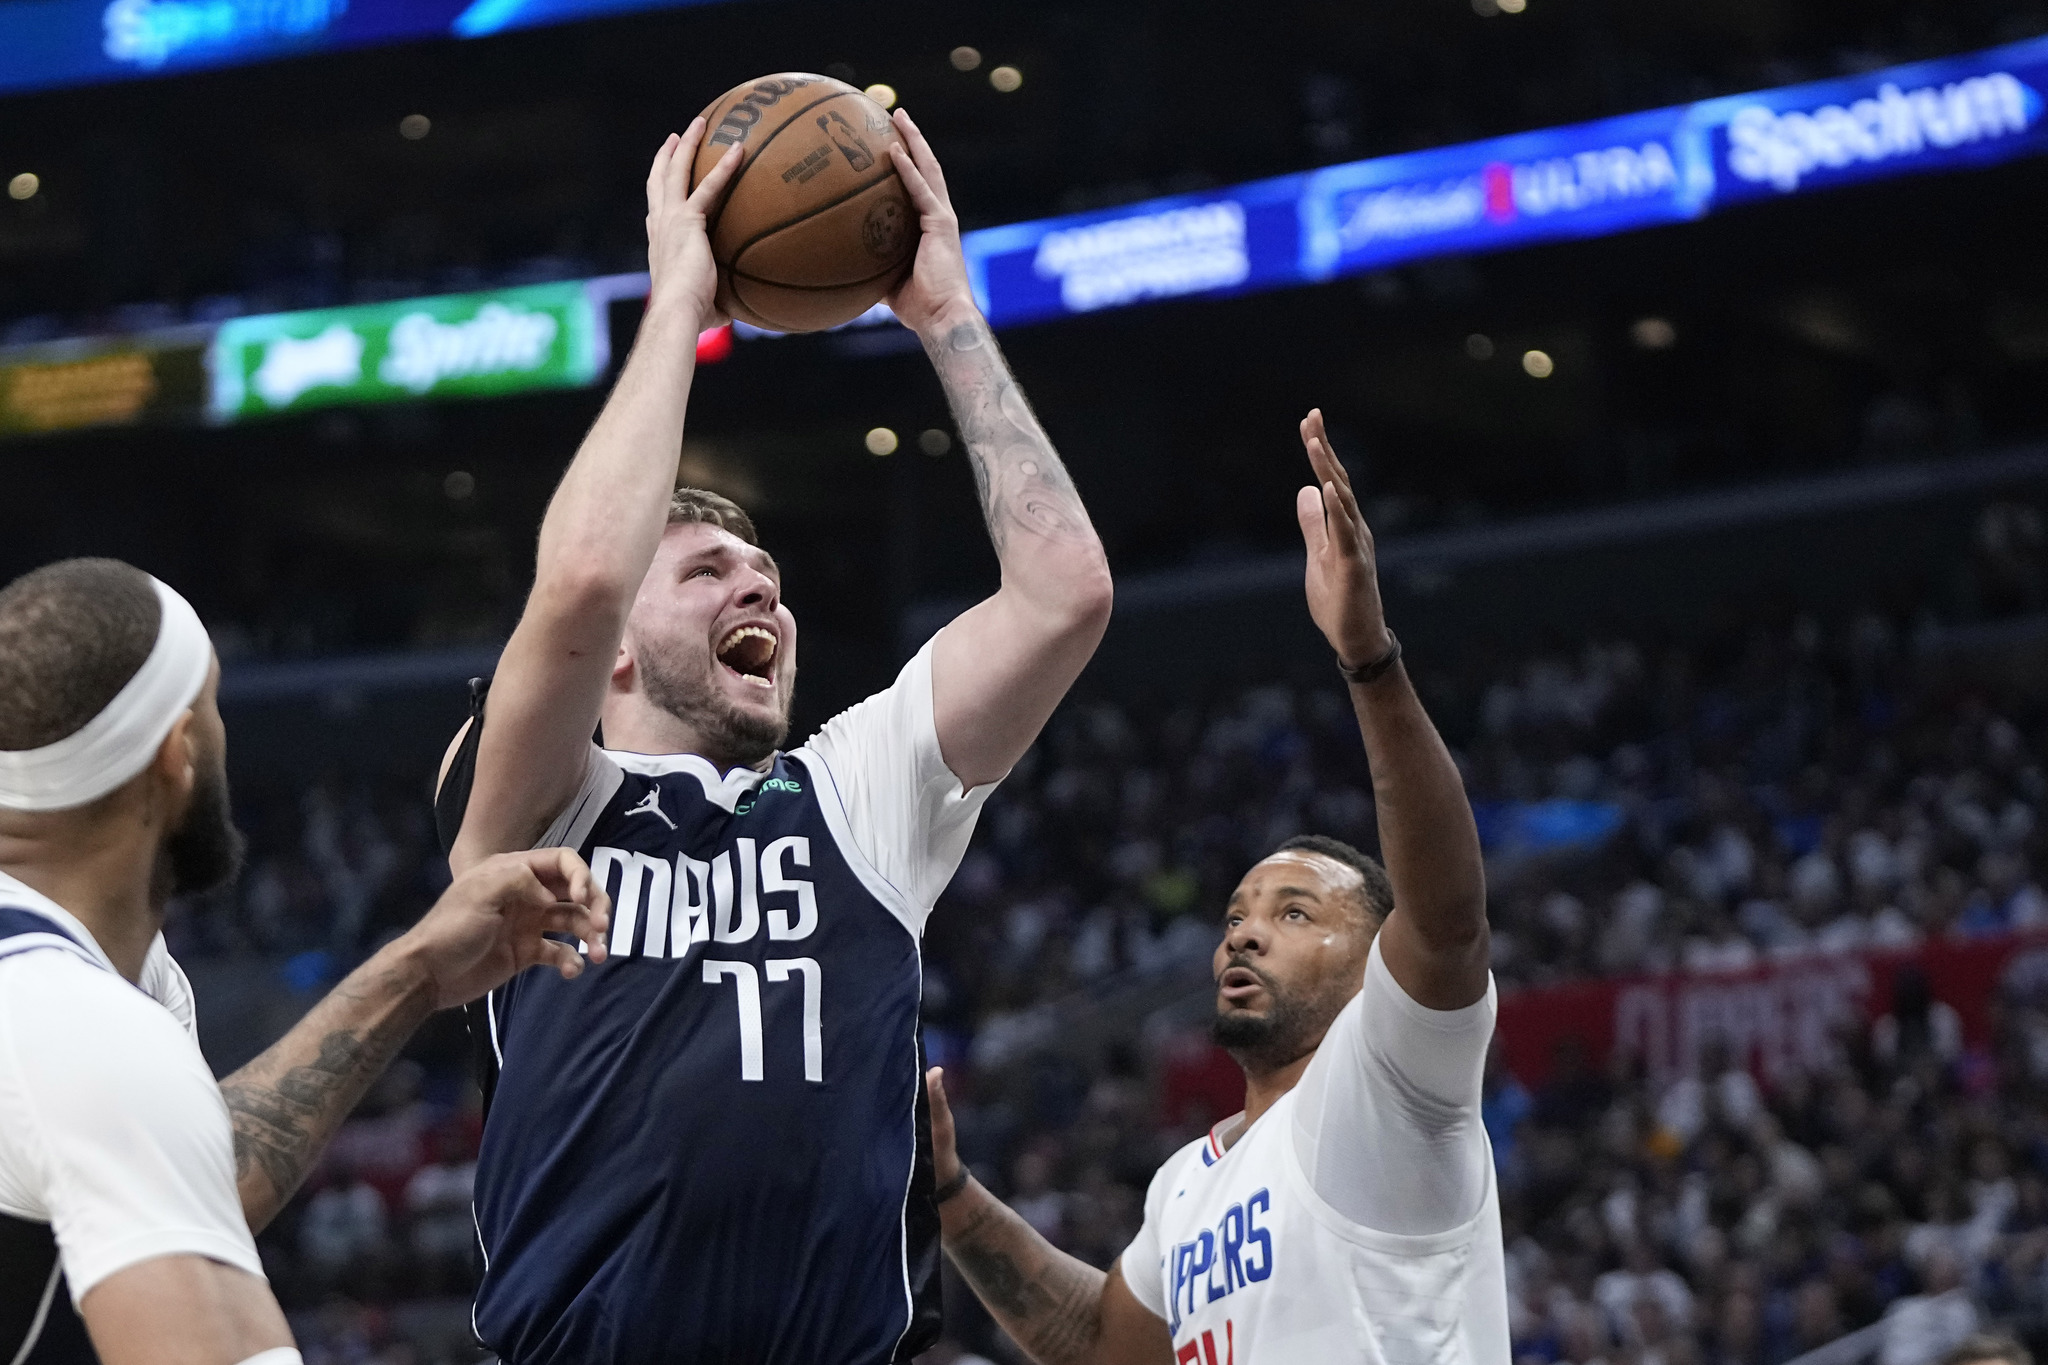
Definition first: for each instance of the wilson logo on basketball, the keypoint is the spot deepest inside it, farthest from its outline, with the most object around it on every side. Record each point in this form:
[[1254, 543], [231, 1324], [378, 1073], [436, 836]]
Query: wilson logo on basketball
[[741, 118]]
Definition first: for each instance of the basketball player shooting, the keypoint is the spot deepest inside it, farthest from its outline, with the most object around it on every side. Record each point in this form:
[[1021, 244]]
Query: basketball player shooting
[[1349, 1213], [714, 1147]]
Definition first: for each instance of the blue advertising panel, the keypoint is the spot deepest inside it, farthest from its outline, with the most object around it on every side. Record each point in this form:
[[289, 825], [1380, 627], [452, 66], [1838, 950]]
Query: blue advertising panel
[[1586, 180], [1221, 243], [1940, 115], [47, 43], [1581, 181]]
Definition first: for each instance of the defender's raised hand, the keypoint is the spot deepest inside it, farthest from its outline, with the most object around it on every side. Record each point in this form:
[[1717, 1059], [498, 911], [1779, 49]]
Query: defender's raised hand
[[936, 290], [945, 1152], [492, 923], [1343, 576], [678, 247]]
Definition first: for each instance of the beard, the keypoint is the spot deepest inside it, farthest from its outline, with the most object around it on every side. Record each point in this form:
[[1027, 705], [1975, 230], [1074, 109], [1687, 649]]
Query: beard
[[204, 853], [1290, 1027], [684, 688]]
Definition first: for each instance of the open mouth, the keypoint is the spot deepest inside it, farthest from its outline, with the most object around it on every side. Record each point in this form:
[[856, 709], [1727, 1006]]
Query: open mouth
[[1238, 984], [749, 652]]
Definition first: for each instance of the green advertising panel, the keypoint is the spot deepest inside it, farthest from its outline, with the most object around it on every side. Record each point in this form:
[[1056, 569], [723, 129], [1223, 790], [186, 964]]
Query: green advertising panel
[[542, 336]]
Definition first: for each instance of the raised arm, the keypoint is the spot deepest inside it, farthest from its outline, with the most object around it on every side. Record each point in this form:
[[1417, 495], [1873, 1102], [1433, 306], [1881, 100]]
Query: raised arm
[[489, 925], [1060, 1309], [600, 533], [1435, 941], [1000, 669]]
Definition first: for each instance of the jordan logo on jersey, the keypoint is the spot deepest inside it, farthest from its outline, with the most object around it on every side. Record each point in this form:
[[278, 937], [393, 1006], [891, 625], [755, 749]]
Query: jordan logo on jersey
[[1222, 1260], [660, 909], [651, 805]]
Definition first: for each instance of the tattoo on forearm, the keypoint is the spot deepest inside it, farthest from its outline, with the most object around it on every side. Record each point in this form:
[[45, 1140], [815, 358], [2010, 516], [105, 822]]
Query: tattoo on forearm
[[281, 1123], [1053, 1309], [1023, 485]]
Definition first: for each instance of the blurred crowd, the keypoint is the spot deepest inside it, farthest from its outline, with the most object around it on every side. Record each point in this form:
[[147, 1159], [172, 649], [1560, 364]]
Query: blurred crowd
[[1777, 790]]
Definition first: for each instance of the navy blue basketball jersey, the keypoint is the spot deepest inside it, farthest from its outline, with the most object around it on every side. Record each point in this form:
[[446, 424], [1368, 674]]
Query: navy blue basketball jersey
[[713, 1146]]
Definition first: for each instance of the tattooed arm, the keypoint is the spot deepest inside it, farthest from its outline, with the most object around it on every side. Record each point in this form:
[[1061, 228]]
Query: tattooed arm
[[1060, 1309], [489, 925], [1000, 669]]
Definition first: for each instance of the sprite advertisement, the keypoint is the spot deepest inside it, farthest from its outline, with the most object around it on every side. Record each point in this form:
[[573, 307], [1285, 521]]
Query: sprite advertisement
[[542, 336]]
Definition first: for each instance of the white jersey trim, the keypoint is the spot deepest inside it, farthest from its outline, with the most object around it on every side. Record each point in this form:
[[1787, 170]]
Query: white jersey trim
[[572, 826], [893, 898], [723, 792]]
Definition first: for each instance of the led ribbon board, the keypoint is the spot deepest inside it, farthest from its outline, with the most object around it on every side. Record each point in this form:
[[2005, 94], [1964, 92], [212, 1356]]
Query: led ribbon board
[[1614, 175], [543, 336], [1587, 180], [47, 43]]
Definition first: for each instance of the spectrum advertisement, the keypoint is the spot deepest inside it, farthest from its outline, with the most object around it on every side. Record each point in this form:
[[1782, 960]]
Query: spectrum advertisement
[[46, 43], [543, 336], [1615, 175], [1586, 180]]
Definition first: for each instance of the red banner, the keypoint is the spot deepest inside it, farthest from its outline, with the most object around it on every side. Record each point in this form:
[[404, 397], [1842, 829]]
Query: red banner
[[1780, 1017]]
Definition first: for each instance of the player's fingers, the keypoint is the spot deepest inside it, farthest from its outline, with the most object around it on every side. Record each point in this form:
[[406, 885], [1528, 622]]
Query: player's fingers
[[1320, 457], [657, 173], [563, 958], [711, 190], [579, 922], [1344, 530], [921, 151], [1308, 510], [1353, 517], [942, 1111], [921, 196], [1313, 431], [565, 875]]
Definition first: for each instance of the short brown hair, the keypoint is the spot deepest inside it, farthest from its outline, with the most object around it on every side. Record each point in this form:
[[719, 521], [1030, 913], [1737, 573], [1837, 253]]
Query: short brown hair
[[701, 504], [71, 636]]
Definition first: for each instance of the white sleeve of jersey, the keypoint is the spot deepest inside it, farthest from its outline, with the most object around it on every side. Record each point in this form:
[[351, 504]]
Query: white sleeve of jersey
[[904, 808], [1387, 1124], [601, 777], [1142, 1258], [111, 1127]]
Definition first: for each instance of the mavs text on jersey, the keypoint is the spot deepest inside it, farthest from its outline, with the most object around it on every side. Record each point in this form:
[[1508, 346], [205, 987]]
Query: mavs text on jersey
[[713, 1145]]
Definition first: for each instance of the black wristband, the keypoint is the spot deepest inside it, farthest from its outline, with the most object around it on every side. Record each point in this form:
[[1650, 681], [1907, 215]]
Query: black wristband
[[1377, 669], [951, 1187]]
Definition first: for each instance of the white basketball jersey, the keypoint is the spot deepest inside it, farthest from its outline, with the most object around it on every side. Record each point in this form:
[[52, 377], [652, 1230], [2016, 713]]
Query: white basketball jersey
[[1257, 1269]]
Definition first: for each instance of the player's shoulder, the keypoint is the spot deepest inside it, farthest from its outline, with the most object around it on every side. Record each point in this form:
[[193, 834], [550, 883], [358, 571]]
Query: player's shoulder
[[890, 714], [60, 1008], [1185, 1161]]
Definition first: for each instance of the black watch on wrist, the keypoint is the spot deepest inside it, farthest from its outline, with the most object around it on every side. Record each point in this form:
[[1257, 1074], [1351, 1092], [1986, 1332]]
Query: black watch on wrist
[[1377, 669]]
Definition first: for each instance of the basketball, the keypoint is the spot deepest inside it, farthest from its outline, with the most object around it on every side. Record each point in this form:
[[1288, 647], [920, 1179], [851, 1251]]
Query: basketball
[[816, 226]]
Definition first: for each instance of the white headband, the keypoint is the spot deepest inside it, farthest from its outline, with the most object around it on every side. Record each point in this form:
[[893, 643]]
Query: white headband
[[120, 741]]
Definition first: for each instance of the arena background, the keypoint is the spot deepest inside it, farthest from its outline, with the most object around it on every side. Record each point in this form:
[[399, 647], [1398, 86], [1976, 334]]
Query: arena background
[[1710, 514]]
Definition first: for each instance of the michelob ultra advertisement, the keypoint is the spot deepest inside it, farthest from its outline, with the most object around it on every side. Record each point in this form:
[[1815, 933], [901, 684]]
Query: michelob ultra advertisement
[[542, 336]]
